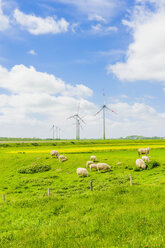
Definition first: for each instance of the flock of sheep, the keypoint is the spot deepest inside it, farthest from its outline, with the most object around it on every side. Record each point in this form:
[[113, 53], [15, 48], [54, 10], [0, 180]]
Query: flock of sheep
[[103, 166], [141, 162]]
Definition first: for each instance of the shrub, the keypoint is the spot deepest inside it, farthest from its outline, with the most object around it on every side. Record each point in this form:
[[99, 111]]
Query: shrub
[[152, 164], [137, 169], [34, 168], [34, 144]]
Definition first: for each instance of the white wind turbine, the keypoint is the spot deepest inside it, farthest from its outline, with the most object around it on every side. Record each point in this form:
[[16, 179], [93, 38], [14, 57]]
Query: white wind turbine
[[55, 129], [103, 109], [78, 122]]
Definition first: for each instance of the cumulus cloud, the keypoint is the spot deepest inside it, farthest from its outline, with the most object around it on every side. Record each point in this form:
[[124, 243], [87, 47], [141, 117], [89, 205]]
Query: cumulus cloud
[[38, 99], [138, 118], [34, 101], [4, 20], [22, 79], [38, 25], [145, 58]]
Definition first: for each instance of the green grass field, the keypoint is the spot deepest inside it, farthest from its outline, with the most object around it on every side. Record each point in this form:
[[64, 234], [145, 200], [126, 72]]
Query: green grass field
[[114, 214]]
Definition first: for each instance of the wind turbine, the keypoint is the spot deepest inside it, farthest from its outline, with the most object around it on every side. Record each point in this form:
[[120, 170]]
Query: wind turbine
[[103, 109], [78, 122], [52, 128], [55, 129]]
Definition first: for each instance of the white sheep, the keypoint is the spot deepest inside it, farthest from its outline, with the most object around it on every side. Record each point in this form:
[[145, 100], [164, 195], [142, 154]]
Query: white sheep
[[141, 164], [82, 172], [93, 166], [103, 166], [93, 158], [54, 153], [145, 159], [143, 151], [62, 158], [88, 163]]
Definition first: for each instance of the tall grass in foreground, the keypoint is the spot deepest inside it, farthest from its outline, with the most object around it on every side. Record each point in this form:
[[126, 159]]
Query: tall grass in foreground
[[120, 217]]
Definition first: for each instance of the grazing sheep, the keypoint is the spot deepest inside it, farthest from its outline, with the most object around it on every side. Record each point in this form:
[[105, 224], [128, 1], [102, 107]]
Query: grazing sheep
[[88, 163], [143, 151], [82, 172], [145, 159], [103, 166], [141, 164], [93, 166], [54, 153], [93, 158], [62, 158]]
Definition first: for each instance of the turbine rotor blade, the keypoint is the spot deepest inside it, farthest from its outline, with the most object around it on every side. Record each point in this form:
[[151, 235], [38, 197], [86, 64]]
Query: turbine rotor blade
[[72, 116], [78, 108], [104, 96], [111, 110], [99, 111]]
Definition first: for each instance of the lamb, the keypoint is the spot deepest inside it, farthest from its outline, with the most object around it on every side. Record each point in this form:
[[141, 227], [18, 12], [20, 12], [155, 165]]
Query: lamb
[[82, 172], [93, 158], [62, 158], [88, 163], [54, 153], [145, 159], [93, 166], [143, 151], [103, 166], [141, 164]]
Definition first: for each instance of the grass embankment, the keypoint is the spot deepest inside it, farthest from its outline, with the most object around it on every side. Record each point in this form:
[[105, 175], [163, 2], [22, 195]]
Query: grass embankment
[[112, 215]]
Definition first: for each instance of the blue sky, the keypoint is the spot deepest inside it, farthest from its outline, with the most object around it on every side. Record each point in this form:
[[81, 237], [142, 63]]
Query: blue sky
[[57, 53]]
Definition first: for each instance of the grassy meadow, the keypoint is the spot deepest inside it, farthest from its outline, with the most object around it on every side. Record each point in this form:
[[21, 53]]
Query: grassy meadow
[[113, 215]]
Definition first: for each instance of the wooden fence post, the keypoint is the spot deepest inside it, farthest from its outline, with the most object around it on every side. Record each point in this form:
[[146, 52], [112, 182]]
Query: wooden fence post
[[91, 186], [3, 197], [130, 180]]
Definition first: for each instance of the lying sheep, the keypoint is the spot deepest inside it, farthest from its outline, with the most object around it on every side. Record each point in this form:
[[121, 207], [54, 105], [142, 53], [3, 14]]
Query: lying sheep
[[103, 166], [82, 172], [93, 166], [54, 153], [141, 164], [88, 163], [143, 151], [62, 158], [93, 158], [145, 159]]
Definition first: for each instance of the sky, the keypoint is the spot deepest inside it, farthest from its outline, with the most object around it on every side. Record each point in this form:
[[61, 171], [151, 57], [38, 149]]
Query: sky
[[56, 55]]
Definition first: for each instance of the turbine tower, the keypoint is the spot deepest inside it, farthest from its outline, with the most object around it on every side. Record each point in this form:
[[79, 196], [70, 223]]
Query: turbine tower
[[52, 128], [55, 129], [78, 122], [103, 108]]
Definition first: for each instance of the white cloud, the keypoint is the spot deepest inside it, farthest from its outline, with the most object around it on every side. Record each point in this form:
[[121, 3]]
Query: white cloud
[[22, 79], [146, 54], [101, 29], [38, 25], [104, 8], [95, 17], [36, 100], [4, 20], [32, 52], [138, 118]]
